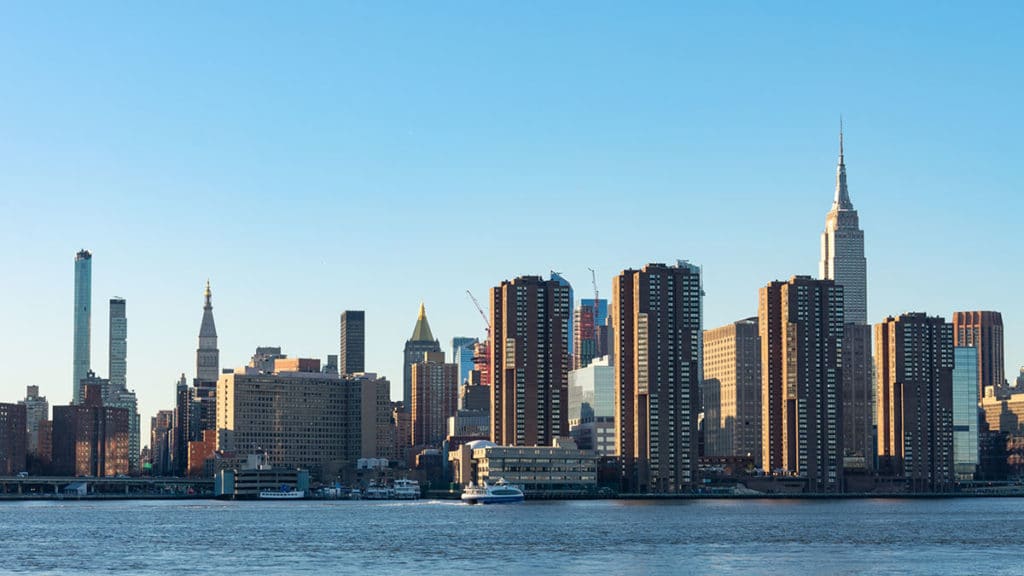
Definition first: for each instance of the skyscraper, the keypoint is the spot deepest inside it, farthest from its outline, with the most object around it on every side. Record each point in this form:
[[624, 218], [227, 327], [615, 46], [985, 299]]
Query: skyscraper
[[965, 412], [983, 330], [657, 322], [842, 249], [914, 353], [529, 360], [462, 355], [207, 355], [435, 398], [422, 340], [731, 391], [353, 342], [116, 393], [83, 318], [801, 328], [202, 396], [842, 260], [118, 344]]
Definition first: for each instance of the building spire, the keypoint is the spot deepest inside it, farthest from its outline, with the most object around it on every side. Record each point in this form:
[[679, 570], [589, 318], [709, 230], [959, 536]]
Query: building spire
[[840, 139], [422, 333], [207, 294], [842, 196]]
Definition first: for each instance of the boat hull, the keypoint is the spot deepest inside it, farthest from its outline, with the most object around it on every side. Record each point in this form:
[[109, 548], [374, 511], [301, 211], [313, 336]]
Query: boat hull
[[492, 499]]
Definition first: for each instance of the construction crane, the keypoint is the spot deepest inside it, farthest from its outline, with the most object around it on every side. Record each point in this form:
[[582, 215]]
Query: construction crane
[[593, 279], [487, 321]]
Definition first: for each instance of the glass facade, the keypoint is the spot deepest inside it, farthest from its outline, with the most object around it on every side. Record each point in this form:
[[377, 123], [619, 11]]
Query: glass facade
[[462, 356], [965, 412]]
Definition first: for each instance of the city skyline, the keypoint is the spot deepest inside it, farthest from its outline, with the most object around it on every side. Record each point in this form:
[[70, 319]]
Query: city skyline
[[757, 171]]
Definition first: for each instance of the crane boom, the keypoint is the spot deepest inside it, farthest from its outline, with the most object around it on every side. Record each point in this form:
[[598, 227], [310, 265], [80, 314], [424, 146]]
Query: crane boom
[[487, 321]]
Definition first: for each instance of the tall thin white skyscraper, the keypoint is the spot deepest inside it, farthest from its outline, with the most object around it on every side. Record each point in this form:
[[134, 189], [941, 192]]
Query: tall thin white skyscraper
[[842, 249], [83, 318]]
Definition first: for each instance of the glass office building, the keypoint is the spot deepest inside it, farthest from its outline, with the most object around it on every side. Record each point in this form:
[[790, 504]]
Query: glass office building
[[965, 412]]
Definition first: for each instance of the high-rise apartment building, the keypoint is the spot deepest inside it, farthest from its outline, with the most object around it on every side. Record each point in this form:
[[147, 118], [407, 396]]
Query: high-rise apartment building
[[37, 411], [858, 397], [965, 412], [657, 325], [353, 342], [463, 349], [90, 439], [731, 391], [422, 340], [12, 439], [83, 319], [801, 328], [842, 260], [914, 354], [983, 330], [435, 398], [529, 360]]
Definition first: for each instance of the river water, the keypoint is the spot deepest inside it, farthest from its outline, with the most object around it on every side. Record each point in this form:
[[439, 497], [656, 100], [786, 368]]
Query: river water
[[944, 536]]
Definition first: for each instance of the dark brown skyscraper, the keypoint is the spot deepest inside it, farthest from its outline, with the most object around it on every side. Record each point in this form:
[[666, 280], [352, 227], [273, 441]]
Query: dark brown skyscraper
[[801, 326], [353, 342], [914, 355], [529, 361], [13, 438], [982, 330], [858, 401], [656, 327]]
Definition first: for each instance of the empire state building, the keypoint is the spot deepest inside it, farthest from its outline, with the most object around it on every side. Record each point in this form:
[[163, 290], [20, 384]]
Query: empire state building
[[842, 260], [842, 249]]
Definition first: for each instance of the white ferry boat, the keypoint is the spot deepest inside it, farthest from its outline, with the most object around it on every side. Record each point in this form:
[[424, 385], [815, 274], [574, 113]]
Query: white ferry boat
[[406, 489], [285, 493], [501, 492]]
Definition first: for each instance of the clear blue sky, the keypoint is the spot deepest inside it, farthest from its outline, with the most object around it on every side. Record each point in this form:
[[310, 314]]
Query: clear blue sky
[[338, 156]]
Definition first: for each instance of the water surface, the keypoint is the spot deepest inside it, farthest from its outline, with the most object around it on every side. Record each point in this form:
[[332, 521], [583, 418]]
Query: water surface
[[944, 536]]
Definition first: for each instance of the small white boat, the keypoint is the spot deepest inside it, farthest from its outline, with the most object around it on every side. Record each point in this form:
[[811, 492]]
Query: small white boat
[[501, 492], [406, 489]]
